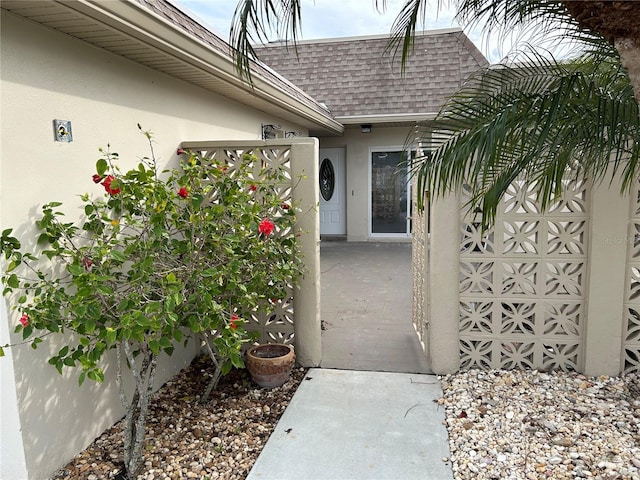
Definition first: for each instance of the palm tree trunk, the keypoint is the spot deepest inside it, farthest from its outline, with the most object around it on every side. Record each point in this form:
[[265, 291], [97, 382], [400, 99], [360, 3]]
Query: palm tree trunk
[[618, 22], [629, 51]]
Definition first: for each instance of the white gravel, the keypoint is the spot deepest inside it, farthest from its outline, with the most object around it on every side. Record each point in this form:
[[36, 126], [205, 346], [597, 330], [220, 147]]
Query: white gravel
[[533, 425]]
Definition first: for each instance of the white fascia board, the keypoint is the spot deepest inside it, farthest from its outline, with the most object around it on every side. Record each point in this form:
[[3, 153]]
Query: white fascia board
[[135, 20], [386, 118]]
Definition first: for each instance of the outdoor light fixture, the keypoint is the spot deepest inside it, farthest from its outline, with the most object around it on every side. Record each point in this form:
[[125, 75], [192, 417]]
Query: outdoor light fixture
[[270, 131], [365, 128]]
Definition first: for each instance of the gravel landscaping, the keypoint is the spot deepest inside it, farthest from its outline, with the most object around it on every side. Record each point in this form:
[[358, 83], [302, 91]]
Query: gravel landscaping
[[533, 425], [502, 425], [188, 439]]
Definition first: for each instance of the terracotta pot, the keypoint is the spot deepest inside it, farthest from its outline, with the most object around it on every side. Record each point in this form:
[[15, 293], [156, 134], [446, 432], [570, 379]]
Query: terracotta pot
[[270, 365]]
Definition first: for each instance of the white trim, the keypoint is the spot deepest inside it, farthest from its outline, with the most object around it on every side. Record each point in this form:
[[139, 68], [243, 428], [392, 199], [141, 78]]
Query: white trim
[[386, 118], [370, 192]]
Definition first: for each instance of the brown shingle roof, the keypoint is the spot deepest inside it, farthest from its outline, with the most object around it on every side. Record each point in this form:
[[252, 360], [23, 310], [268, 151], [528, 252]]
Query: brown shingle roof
[[355, 76], [181, 20]]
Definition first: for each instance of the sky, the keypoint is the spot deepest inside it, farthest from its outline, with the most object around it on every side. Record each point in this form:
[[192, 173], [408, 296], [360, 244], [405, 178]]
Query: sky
[[342, 18]]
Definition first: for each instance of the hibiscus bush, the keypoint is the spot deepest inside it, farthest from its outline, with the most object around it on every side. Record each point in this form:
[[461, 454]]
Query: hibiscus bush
[[157, 257]]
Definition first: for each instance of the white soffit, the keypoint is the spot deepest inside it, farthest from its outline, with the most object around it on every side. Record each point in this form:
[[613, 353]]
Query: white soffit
[[131, 30]]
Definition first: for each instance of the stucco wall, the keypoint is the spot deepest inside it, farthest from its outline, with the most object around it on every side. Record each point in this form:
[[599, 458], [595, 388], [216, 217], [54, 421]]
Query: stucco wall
[[46, 75], [357, 150]]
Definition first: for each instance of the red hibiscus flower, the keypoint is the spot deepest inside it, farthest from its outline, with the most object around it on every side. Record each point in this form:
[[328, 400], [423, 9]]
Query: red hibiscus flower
[[234, 322], [106, 183], [24, 320], [179, 151], [86, 261], [253, 187], [266, 226], [96, 178], [285, 206], [183, 192]]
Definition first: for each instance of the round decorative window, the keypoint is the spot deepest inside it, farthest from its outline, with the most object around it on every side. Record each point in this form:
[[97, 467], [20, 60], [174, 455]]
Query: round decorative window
[[327, 179]]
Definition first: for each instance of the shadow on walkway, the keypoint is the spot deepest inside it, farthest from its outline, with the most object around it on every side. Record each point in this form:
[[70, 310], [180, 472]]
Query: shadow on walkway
[[366, 308]]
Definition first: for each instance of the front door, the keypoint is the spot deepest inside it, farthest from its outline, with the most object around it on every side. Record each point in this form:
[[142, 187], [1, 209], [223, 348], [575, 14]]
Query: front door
[[333, 205]]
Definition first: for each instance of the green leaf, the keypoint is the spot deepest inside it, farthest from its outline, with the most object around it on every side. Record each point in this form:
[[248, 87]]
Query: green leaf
[[1, 352], [168, 350], [154, 345], [12, 281], [12, 266], [101, 166], [104, 289], [111, 335], [81, 378], [75, 269], [96, 375], [118, 256]]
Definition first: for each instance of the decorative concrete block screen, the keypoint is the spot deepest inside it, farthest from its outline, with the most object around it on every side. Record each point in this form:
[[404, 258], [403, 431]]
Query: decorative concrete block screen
[[631, 324], [420, 269], [522, 283], [295, 319]]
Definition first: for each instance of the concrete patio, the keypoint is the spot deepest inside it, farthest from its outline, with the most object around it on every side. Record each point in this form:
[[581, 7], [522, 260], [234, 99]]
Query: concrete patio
[[366, 308]]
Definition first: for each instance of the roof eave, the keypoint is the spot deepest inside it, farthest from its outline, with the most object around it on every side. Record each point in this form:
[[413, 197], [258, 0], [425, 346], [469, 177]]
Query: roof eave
[[134, 19], [393, 118]]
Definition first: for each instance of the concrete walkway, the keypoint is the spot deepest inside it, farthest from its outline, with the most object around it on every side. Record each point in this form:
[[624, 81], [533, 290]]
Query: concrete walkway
[[366, 308], [353, 419], [355, 425]]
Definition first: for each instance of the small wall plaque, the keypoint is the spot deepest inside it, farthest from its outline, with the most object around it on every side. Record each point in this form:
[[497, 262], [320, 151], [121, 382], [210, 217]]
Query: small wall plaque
[[62, 131]]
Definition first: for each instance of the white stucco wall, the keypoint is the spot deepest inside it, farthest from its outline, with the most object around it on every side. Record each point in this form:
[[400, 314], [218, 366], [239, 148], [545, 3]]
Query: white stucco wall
[[357, 147], [45, 76]]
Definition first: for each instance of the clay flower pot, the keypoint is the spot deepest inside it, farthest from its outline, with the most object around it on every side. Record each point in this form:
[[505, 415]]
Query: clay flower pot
[[270, 365]]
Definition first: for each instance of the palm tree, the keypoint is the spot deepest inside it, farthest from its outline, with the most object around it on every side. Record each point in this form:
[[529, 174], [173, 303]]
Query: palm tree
[[532, 118], [540, 121]]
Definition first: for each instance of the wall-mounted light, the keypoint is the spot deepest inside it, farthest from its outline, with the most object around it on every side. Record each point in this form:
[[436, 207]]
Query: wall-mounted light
[[365, 128], [270, 131]]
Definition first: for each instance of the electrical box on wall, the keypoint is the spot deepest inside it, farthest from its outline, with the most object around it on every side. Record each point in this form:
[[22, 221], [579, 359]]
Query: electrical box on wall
[[62, 131]]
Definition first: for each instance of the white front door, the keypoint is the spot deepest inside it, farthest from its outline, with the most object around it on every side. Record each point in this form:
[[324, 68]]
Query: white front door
[[333, 205]]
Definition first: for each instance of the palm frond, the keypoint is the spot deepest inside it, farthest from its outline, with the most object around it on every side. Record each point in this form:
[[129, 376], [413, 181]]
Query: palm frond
[[254, 21], [404, 27], [538, 121], [540, 22]]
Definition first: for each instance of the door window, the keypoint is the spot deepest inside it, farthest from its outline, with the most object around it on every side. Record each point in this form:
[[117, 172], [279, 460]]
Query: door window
[[390, 199]]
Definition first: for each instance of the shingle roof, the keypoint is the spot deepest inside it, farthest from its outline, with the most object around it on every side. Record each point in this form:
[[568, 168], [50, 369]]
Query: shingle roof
[[356, 77], [182, 20]]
